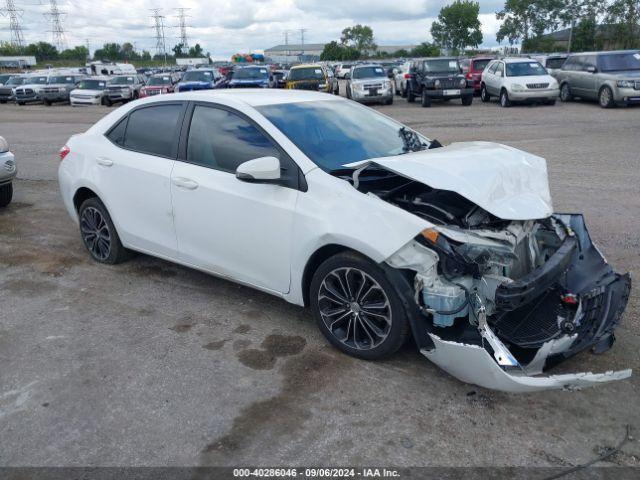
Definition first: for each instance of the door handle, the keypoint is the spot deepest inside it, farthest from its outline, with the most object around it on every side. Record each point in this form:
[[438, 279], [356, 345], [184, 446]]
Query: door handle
[[185, 183], [104, 161]]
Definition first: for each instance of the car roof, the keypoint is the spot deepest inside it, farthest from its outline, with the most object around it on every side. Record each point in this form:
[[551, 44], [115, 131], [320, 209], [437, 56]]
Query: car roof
[[518, 60], [307, 65], [609, 52], [254, 97]]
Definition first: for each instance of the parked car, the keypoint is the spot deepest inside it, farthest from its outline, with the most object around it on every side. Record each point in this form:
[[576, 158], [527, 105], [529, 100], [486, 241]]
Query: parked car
[[199, 79], [311, 77], [518, 80], [8, 90], [343, 69], [400, 79], [611, 78], [438, 78], [90, 91], [31, 89], [368, 83], [250, 77], [553, 62], [474, 71], [381, 231], [59, 87], [7, 173], [124, 88], [4, 78], [159, 84]]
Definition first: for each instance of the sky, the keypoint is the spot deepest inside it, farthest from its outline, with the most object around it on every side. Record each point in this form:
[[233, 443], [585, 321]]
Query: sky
[[225, 27]]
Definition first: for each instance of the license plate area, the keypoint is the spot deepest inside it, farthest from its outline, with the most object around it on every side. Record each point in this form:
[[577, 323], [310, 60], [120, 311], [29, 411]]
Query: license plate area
[[450, 93]]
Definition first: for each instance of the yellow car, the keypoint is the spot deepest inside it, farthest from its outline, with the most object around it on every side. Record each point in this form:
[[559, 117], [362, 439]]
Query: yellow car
[[312, 77]]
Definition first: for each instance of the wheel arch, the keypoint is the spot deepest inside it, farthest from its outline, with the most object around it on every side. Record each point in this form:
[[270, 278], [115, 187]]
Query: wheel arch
[[81, 195], [315, 260]]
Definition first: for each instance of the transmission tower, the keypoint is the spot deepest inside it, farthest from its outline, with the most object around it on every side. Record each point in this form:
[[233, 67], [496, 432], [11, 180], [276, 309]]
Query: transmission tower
[[182, 25], [158, 18], [57, 31], [14, 14]]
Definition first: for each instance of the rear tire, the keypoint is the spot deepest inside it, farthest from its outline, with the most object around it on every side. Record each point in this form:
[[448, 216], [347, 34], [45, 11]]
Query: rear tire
[[6, 194], [410, 95], [357, 308], [99, 234], [484, 94], [425, 100]]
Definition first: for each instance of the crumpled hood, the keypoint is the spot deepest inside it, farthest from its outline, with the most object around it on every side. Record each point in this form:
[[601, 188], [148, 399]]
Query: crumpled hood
[[507, 182]]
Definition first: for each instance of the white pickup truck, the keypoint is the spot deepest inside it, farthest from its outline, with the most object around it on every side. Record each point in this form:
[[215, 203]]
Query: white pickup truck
[[8, 172]]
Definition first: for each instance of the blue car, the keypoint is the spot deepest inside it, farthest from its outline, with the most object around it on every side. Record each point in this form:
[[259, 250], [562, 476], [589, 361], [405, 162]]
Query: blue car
[[250, 77], [199, 79]]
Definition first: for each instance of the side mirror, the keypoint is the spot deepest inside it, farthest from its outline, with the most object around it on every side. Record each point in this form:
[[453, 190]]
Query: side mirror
[[592, 69], [259, 170]]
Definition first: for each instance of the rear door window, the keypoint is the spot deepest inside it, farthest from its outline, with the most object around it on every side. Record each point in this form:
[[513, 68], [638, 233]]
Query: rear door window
[[153, 130]]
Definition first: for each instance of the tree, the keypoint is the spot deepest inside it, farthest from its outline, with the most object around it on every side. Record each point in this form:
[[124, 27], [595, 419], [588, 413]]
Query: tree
[[458, 26], [80, 53], [127, 51], [524, 19], [624, 18], [196, 51], [146, 56], [334, 51], [43, 51], [425, 49], [359, 37], [178, 50], [109, 51]]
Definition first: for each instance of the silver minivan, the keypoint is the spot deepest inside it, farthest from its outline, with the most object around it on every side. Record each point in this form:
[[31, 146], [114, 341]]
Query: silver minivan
[[611, 78]]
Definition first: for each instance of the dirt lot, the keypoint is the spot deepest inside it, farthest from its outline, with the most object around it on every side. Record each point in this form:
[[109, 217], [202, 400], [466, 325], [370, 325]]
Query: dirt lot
[[149, 363]]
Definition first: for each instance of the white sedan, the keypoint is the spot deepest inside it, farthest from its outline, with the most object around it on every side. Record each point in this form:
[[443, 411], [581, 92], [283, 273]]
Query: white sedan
[[382, 232]]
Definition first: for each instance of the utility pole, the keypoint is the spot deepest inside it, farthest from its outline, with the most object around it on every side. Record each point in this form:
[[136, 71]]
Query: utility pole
[[88, 43], [302, 31], [57, 31], [182, 25], [161, 49], [14, 14]]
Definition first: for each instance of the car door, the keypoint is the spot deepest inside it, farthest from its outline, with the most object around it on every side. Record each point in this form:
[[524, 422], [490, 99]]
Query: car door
[[133, 173], [590, 79], [579, 82], [225, 225]]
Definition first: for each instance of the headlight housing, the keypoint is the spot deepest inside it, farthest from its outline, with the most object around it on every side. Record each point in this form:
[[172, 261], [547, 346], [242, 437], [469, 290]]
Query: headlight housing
[[4, 145], [626, 83], [517, 86], [463, 83], [436, 84]]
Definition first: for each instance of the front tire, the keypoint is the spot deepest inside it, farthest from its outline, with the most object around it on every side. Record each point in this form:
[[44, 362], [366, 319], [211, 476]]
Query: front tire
[[403, 91], [467, 101], [504, 99], [99, 235], [357, 308], [410, 95], [425, 100], [6, 194], [605, 97]]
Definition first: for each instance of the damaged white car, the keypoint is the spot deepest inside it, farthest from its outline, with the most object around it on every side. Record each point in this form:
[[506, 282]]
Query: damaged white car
[[381, 231]]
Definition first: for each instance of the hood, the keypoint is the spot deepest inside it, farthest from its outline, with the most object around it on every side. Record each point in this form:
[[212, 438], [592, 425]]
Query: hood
[[194, 83], [507, 182], [248, 81], [84, 91], [532, 79], [624, 74]]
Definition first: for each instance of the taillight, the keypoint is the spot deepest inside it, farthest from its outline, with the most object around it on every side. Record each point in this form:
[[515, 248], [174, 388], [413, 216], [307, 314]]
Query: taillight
[[64, 151], [470, 76], [407, 75]]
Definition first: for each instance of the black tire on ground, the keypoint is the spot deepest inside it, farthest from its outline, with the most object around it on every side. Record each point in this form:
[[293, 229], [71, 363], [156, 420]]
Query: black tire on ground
[[403, 91], [348, 92], [484, 94], [366, 312], [47, 102], [565, 93], [504, 99], [6, 194], [410, 95], [605, 97], [550, 102], [115, 252], [425, 101], [389, 101], [3, 101], [21, 104], [467, 100], [107, 101]]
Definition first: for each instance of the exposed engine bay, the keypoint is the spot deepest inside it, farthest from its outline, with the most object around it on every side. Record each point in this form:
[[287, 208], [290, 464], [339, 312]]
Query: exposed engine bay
[[516, 296]]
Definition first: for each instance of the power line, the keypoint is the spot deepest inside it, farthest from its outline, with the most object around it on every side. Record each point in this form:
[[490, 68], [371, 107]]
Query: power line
[[161, 48], [14, 14], [182, 19], [57, 31]]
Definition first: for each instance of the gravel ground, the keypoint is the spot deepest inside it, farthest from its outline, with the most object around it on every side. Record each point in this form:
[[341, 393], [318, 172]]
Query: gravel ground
[[149, 363]]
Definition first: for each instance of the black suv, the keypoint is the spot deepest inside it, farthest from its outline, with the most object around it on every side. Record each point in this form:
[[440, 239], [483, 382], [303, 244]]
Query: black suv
[[438, 78]]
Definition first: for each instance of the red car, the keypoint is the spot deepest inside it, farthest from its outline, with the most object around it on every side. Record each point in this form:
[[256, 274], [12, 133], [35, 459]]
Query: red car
[[474, 71], [159, 84]]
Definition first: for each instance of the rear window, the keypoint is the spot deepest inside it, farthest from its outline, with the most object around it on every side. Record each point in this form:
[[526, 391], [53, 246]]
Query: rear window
[[555, 62], [480, 65], [152, 130]]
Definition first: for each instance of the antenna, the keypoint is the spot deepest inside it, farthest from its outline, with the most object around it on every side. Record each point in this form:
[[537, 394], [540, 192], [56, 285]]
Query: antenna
[[159, 27], [57, 32], [182, 19], [10, 10]]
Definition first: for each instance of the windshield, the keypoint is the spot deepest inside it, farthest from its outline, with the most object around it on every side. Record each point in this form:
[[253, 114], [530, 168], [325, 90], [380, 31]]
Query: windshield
[[36, 80], [480, 65], [311, 73], [198, 76], [16, 81], [250, 74], [335, 133], [525, 69], [368, 72], [154, 81], [555, 62], [62, 79], [620, 62], [4, 78], [122, 81], [92, 85], [441, 65]]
